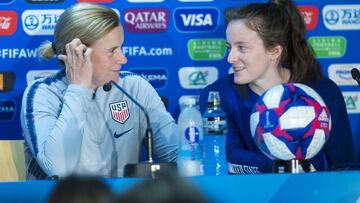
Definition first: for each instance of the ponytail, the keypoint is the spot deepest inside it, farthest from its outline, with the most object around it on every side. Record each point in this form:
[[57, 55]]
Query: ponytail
[[304, 66], [46, 50]]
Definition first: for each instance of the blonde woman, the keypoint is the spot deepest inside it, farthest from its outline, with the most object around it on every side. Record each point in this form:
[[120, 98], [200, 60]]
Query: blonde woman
[[70, 124]]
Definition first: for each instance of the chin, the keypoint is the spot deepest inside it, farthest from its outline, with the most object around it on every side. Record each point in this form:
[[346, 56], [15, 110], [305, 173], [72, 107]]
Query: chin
[[115, 79], [240, 81]]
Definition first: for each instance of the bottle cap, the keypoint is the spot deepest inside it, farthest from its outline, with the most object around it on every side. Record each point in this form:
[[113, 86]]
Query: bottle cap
[[190, 101], [214, 99]]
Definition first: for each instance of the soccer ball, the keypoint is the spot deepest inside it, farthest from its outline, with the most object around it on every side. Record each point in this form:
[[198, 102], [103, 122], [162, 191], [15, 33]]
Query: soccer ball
[[290, 121]]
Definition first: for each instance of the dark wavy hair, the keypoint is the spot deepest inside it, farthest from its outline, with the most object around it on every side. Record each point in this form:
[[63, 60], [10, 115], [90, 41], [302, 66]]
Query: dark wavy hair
[[279, 22]]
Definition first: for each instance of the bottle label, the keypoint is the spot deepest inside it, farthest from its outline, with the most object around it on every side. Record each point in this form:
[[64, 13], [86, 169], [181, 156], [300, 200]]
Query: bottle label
[[215, 125], [192, 134]]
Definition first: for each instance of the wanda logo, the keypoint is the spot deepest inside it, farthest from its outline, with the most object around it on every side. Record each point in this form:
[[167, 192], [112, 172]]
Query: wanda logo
[[8, 22], [310, 15]]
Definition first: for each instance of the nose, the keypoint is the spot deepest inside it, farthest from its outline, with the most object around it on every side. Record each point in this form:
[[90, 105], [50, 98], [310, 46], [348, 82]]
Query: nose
[[232, 57], [120, 58]]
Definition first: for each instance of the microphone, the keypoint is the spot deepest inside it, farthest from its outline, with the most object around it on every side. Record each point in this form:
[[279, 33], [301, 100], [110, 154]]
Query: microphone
[[355, 74], [148, 168]]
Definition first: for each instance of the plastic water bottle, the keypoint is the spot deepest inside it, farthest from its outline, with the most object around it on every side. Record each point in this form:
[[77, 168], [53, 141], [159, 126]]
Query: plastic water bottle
[[215, 129], [190, 159]]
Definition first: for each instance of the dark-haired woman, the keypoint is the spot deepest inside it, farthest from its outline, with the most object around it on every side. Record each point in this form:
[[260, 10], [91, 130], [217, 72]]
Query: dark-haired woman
[[267, 47]]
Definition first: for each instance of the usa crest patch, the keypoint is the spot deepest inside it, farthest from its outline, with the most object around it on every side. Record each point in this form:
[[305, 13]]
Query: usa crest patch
[[120, 111]]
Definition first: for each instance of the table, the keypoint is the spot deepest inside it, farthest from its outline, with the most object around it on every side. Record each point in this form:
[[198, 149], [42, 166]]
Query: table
[[336, 186]]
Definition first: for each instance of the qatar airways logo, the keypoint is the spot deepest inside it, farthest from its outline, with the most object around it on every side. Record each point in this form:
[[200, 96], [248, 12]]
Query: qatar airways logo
[[310, 15], [342, 17], [196, 19], [146, 20], [8, 22], [40, 22]]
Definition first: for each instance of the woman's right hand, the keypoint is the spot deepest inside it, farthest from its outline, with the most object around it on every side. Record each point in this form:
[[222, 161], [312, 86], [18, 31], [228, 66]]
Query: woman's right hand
[[78, 63]]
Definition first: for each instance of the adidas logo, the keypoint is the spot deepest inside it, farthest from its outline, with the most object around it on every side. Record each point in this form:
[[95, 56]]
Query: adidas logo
[[323, 116]]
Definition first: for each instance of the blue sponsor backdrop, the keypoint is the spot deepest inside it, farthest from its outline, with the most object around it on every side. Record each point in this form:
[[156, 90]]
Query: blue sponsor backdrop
[[157, 35]]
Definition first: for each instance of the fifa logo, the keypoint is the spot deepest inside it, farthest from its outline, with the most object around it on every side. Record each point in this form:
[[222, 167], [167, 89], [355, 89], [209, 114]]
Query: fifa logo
[[267, 120]]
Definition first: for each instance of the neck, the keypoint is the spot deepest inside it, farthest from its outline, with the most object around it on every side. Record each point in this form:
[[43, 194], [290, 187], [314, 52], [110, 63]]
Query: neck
[[261, 85]]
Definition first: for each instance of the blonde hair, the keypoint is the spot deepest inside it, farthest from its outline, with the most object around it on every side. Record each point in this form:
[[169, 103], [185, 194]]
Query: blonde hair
[[86, 21]]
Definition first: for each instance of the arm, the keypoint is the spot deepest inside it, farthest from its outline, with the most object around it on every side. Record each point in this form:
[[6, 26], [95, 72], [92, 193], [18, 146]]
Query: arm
[[242, 159], [54, 129], [339, 149]]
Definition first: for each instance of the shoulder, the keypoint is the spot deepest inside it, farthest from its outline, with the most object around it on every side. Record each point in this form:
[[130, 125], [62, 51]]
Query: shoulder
[[325, 82], [325, 87], [329, 92], [46, 86]]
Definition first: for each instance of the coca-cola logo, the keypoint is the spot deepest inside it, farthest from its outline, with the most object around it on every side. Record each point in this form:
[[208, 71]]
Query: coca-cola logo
[[8, 22]]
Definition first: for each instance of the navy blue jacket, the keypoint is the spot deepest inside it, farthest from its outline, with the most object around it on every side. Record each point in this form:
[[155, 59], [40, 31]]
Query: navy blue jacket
[[242, 153]]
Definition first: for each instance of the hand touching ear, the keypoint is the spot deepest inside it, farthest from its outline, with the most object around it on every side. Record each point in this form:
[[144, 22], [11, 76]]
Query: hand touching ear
[[79, 69]]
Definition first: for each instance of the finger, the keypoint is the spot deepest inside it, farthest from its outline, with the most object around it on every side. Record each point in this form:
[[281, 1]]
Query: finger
[[72, 47], [69, 54], [80, 50], [62, 57], [76, 41]]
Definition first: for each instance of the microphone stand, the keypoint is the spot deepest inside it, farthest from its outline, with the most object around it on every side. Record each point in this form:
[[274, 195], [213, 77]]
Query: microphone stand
[[148, 168]]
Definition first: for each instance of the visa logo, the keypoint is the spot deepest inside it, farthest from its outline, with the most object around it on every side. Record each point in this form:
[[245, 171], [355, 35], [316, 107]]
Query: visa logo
[[196, 19]]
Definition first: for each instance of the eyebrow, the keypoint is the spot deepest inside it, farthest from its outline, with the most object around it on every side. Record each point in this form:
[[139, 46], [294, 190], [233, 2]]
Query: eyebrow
[[238, 43], [112, 48]]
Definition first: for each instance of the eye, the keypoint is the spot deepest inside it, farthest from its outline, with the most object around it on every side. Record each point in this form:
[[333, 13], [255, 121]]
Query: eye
[[242, 48], [113, 50]]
